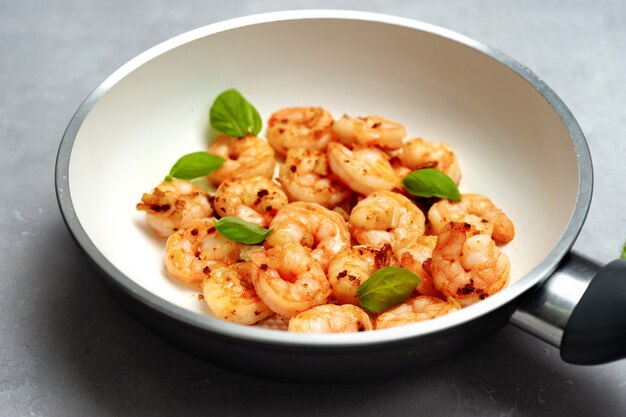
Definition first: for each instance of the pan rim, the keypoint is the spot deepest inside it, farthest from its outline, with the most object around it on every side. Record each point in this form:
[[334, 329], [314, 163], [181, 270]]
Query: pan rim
[[265, 336]]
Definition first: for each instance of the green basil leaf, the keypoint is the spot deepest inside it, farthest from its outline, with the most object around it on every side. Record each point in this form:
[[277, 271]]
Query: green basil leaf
[[194, 165], [386, 288], [431, 182], [623, 251], [233, 115], [234, 228]]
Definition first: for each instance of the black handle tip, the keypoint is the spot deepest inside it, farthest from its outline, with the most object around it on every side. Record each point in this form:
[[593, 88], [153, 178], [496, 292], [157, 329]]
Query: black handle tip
[[596, 330]]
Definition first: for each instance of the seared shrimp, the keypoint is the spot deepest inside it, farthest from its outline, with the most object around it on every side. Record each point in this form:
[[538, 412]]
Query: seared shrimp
[[172, 204], [476, 210], [386, 217], [412, 255], [288, 279], [467, 266], [245, 157], [369, 131], [230, 294], [352, 267], [255, 199], [400, 170], [416, 309], [306, 176], [274, 322], [313, 226], [194, 248], [330, 318], [419, 153], [300, 127], [364, 170]]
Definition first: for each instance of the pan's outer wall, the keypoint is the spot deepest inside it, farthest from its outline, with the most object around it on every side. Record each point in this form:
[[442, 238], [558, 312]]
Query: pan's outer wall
[[313, 364]]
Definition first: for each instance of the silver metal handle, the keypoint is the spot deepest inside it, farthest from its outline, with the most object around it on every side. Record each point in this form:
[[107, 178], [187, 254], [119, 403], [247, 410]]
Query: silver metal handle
[[548, 309]]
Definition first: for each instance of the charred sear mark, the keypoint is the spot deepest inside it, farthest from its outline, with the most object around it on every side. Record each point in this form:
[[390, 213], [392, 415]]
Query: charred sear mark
[[383, 256], [427, 266], [262, 193], [211, 230], [206, 270], [264, 267], [467, 288], [342, 274], [160, 207], [194, 232]]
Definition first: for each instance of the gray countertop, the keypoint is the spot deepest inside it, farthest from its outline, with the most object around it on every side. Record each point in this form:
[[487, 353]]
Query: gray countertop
[[68, 349]]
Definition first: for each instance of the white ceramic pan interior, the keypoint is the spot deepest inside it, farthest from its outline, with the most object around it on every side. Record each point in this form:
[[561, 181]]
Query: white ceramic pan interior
[[513, 145]]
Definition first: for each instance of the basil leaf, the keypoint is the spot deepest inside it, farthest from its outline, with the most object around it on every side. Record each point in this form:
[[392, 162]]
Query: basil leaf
[[233, 115], [386, 288], [194, 165], [623, 251], [234, 228], [430, 182]]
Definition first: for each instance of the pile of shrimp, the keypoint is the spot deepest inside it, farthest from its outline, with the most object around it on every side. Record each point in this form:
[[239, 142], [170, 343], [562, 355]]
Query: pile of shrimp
[[331, 191]]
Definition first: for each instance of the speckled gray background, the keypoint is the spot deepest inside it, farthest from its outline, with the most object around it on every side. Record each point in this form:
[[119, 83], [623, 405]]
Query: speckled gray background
[[68, 349]]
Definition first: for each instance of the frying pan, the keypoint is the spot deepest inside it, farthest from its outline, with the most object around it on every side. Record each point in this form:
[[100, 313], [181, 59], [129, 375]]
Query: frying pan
[[516, 140]]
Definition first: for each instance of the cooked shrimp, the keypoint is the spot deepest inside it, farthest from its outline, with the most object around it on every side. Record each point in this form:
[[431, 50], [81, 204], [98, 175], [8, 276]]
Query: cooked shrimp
[[386, 217], [230, 294], [412, 255], [300, 127], [369, 131], [414, 310], [400, 170], [330, 318], [476, 210], [313, 226], [467, 266], [255, 199], [274, 322], [352, 267], [194, 248], [306, 176], [288, 279], [245, 157], [172, 204], [419, 153], [364, 170]]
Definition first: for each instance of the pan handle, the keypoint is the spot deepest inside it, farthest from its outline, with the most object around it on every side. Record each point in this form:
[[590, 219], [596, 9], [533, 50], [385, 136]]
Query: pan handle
[[581, 309], [596, 331]]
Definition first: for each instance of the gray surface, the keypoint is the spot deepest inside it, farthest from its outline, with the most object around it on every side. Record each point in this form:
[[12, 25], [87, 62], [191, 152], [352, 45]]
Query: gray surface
[[68, 349]]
